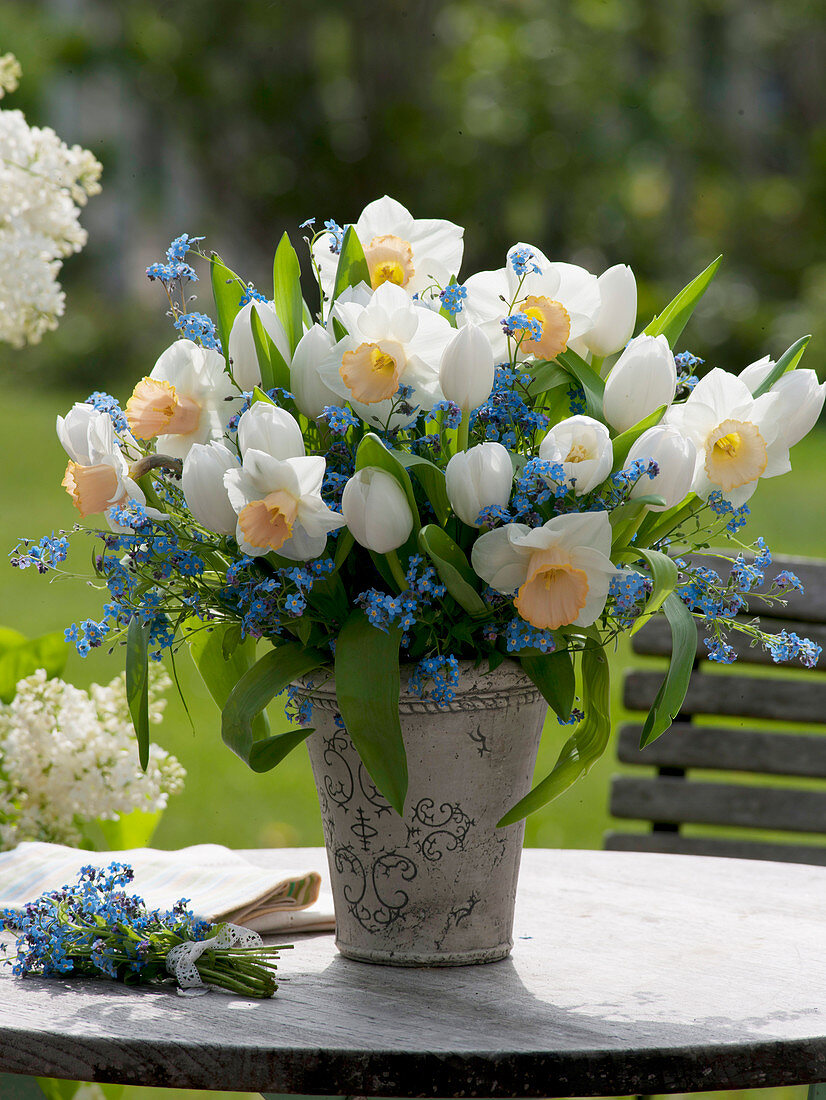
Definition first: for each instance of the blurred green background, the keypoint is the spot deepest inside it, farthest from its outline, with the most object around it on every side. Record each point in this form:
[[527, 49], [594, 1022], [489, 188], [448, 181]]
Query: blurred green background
[[600, 130]]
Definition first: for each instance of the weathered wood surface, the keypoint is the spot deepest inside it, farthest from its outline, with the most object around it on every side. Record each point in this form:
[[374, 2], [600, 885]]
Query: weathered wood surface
[[678, 844], [742, 696], [632, 973], [724, 749], [654, 640]]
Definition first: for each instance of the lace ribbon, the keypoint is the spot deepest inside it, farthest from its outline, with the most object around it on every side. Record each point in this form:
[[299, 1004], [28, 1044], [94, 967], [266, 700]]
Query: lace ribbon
[[181, 960]]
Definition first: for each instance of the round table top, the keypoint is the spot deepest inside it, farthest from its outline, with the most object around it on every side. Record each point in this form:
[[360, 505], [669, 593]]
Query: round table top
[[631, 973]]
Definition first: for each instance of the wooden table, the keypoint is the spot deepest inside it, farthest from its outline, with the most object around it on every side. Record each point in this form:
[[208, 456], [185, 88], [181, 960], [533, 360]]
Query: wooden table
[[631, 973]]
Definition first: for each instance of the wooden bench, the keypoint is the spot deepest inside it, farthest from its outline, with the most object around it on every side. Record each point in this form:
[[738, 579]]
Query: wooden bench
[[673, 798]]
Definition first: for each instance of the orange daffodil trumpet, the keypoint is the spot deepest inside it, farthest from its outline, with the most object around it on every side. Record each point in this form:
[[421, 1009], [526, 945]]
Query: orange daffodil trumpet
[[97, 475], [560, 571]]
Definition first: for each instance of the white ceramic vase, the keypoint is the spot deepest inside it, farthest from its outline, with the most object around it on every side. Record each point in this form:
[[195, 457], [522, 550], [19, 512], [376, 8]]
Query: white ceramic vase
[[436, 887]]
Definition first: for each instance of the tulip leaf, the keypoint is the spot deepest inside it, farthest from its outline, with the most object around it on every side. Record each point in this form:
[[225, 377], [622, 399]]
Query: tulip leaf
[[267, 678], [372, 452], [367, 688], [587, 743], [21, 656], [431, 479], [546, 375], [673, 319], [352, 266], [787, 361], [625, 519], [273, 366], [286, 281], [453, 568], [673, 689], [137, 683], [553, 673], [664, 576], [657, 525], [588, 378], [227, 289], [626, 440]]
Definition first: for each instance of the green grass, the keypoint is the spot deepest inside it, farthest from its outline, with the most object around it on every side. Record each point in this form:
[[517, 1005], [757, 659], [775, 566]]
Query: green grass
[[223, 801]]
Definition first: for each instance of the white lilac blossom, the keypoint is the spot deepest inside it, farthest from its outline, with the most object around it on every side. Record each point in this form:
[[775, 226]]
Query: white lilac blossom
[[582, 446], [43, 185], [480, 477], [376, 510], [67, 757], [643, 378]]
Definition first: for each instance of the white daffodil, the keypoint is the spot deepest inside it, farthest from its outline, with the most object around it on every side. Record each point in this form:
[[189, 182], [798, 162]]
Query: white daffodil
[[739, 438], [97, 475], [618, 311], [800, 393], [390, 342], [412, 253], [563, 298], [478, 478], [265, 427], [203, 486], [562, 570], [279, 506], [186, 399], [376, 510], [676, 457], [242, 353], [583, 447], [643, 378]]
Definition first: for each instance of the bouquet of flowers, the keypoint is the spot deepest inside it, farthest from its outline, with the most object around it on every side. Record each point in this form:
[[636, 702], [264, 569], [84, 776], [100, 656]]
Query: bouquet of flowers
[[419, 469]]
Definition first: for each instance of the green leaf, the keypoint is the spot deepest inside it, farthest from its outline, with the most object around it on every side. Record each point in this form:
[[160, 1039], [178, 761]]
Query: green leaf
[[673, 319], [137, 683], [267, 678], [588, 378], [664, 576], [585, 746], [672, 691], [787, 361], [372, 452], [227, 290], [626, 440], [222, 664], [352, 267], [546, 375], [286, 281], [49, 652], [453, 568], [431, 479], [274, 369], [553, 674], [367, 688], [658, 524], [231, 640]]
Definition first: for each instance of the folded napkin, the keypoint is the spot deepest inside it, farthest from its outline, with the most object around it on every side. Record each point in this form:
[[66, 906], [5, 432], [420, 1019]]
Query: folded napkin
[[220, 884]]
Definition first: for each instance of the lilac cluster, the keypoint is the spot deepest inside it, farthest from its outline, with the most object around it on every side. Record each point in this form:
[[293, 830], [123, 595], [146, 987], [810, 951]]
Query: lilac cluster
[[453, 298], [175, 268], [506, 415], [200, 328], [441, 673], [523, 262], [43, 556], [104, 402]]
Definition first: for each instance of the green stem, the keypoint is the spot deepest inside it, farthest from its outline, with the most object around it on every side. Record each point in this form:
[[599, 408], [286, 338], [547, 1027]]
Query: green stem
[[464, 430], [596, 363], [392, 559]]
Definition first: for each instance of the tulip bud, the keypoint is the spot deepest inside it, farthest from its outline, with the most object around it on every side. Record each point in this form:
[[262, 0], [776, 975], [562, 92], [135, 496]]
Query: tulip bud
[[311, 393], [245, 368], [376, 510], [265, 427], [643, 378], [676, 457], [479, 478], [582, 446], [202, 482], [617, 312], [466, 369]]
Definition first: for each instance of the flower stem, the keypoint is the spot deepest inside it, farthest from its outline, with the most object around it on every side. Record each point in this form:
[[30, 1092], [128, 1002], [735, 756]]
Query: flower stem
[[396, 569], [464, 429]]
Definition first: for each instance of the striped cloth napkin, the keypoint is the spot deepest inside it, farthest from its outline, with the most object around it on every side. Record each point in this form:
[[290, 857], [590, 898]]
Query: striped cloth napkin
[[220, 884]]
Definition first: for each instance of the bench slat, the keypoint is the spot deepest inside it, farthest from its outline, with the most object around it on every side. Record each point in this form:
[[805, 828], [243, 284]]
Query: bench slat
[[654, 640], [668, 799], [741, 696], [675, 844], [714, 747]]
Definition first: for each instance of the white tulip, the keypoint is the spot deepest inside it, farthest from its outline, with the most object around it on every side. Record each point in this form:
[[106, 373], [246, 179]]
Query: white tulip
[[265, 427], [311, 392], [582, 446], [562, 569], [617, 312], [800, 395], [643, 378], [676, 457], [376, 510], [466, 369], [479, 478], [203, 486], [245, 368]]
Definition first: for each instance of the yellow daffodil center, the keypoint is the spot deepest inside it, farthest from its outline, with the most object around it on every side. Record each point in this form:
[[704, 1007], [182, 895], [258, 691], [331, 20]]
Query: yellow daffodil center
[[370, 373], [269, 522], [556, 327], [735, 454], [389, 260], [578, 453], [554, 593], [156, 409], [91, 487]]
